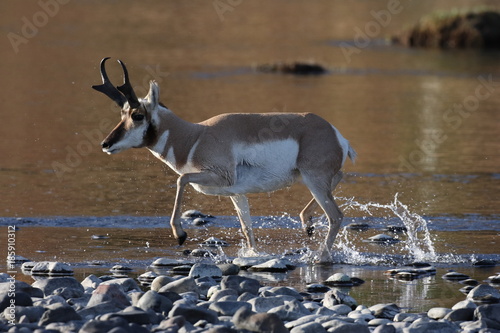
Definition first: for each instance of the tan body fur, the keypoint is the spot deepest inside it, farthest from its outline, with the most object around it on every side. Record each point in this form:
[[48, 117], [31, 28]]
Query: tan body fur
[[236, 154]]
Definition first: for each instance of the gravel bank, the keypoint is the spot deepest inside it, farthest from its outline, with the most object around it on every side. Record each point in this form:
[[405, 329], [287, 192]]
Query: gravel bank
[[214, 298]]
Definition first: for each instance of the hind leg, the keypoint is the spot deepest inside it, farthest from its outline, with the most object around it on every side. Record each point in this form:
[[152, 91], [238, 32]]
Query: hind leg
[[242, 207], [306, 214], [321, 190]]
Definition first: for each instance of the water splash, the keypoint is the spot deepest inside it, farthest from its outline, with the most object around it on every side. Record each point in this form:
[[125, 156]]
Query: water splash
[[418, 245]]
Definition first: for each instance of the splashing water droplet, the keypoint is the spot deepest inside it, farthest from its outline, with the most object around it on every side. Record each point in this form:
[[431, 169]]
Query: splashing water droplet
[[418, 245]]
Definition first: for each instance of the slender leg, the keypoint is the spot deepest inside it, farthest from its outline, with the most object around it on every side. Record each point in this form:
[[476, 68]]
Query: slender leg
[[202, 178], [175, 221], [240, 202], [335, 217], [321, 192], [306, 216]]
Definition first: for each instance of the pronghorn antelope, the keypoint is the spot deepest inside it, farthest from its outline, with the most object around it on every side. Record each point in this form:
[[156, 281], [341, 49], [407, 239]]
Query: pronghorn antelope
[[234, 154]]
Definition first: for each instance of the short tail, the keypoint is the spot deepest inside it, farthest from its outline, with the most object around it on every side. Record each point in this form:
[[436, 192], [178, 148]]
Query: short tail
[[352, 154], [347, 150]]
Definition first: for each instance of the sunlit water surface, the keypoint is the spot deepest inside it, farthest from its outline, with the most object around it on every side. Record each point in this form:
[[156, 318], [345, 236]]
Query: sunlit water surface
[[444, 242], [422, 163]]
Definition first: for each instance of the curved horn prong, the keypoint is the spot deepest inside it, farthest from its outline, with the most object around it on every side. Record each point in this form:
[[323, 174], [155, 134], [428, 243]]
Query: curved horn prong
[[127, 90], [107, 88]]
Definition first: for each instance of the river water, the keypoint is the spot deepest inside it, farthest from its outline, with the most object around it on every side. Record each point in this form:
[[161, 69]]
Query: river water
[[425, 124]]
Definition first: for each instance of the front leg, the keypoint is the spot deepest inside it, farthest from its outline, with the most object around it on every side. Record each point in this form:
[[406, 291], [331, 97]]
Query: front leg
[[175, 220], [204, 178]]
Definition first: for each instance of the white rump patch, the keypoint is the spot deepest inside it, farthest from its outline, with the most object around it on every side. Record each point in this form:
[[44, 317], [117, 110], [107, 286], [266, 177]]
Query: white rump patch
[[344, 144]]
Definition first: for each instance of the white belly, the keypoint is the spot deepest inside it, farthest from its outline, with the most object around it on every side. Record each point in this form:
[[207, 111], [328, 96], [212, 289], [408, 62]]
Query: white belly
[[263, 167]]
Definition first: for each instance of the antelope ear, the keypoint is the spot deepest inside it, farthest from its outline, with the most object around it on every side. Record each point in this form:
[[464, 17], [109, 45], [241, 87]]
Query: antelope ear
[[153, 96]]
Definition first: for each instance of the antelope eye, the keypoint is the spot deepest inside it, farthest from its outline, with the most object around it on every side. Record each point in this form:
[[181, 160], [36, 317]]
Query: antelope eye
[[137, 117]]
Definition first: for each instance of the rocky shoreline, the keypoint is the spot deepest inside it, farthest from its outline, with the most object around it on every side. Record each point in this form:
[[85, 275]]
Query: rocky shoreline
[[214, 298]]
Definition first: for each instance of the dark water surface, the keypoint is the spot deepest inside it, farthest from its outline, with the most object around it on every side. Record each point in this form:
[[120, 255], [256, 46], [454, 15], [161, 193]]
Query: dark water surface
[[425, 124]]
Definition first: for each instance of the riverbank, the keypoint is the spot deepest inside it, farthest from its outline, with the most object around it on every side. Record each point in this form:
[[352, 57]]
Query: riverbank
[[204, 297]]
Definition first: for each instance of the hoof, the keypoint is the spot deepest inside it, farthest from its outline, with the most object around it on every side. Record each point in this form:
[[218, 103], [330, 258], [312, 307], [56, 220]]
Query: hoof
[[323, 257], [310, 231], [182, 238], [249, 252]]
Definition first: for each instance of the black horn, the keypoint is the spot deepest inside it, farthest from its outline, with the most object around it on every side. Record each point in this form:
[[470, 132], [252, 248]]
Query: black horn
[[127, 90], [108, 89]]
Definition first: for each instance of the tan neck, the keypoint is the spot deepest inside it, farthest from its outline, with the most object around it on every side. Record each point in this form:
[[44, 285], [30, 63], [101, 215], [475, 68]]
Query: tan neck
[[173, 133]]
